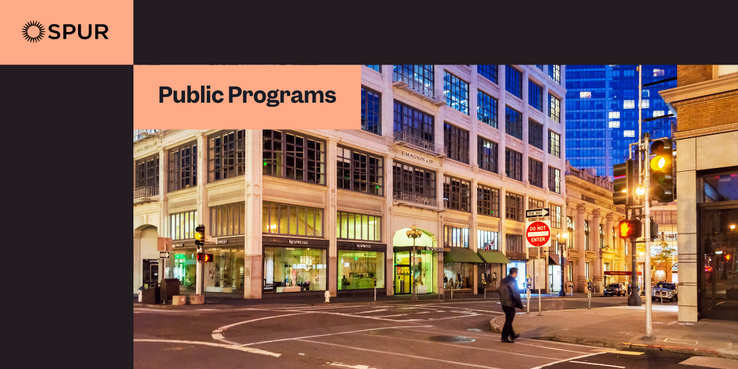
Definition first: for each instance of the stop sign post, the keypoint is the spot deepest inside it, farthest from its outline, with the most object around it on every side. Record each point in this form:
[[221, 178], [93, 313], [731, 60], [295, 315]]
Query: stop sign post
[[538, 233]]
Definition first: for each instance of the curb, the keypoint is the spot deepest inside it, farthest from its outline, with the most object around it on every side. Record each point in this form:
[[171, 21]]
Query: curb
[[639, 346]]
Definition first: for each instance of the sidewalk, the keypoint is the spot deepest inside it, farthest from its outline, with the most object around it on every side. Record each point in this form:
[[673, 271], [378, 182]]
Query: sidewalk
[[625, 327]]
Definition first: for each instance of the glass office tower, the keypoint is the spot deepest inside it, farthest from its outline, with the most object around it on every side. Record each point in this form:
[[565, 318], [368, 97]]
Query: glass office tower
[[602, 112]]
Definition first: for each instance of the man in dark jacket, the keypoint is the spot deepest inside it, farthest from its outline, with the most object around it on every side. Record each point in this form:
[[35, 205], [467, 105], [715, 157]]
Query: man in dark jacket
[[509, 299]]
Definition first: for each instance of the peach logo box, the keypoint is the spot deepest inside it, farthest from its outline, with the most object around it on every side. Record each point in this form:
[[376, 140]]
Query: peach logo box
[[247, 96], [46, 32]]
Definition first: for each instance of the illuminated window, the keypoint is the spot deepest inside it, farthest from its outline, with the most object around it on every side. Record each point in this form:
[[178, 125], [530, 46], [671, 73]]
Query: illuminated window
[[456, 92], [288, 219], [456, 194], [554, 108], [645, 104], [486, 109], [658, 113], [658, 72], [614, 115], [352, 226], [585, 94], [629, 133], [628, 104], [615, 124]]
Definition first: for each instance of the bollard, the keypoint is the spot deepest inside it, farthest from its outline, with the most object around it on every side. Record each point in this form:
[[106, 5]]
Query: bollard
[[452, 292], [140, 296], [327, 296], [589, 300], [527, 306], [539, 302], [485, 292]]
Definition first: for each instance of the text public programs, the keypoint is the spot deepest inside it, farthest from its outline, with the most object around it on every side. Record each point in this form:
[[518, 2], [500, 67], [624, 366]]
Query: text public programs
[[272, 97]]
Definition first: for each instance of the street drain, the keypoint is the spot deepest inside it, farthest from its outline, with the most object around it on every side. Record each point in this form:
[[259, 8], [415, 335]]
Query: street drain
[[452, 339]]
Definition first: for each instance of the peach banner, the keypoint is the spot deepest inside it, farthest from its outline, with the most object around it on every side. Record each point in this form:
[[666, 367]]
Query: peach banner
[[246, 96], [66, 32]]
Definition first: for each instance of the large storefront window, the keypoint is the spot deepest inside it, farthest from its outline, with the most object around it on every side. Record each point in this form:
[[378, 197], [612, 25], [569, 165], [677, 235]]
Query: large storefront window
[[458, 275], [421, 272], [185, 268], [225, 273], [520, 279], [228, 220], [357, 269], [486, 240], [455, 237], [294, 269], [291, 220], [353, 226]]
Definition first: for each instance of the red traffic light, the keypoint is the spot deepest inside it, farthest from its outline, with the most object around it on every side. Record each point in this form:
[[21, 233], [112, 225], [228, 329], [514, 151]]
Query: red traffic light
[[629, 228], [204, 258]]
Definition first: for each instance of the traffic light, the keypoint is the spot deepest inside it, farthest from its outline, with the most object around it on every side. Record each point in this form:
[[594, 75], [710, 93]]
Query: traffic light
[[204, 258], [624, 183], [629, 228], [662, 174], [200, 235]]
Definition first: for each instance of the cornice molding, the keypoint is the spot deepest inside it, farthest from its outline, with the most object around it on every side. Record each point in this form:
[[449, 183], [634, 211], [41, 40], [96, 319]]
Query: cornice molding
[[724, 128], [700, 89]]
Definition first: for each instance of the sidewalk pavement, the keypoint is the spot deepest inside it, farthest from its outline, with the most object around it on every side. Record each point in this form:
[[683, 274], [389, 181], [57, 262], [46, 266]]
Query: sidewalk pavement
[[625, 327]]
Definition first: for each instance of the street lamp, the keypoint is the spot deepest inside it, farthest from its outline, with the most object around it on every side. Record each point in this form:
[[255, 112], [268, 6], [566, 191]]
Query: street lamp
[[640, 191], [413, 233], [559, 236]]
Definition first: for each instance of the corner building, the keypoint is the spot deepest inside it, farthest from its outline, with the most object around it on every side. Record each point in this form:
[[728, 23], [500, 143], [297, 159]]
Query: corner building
[[460, 151]]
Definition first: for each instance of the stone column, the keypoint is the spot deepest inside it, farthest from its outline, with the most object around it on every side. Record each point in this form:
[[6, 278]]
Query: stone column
[[330, 218], [473, 143], [387, 233], [253, 272], [439, 119], [581, 276], [473, 231], [203, 211], [525, 150], [594, 240], [501, 124], [137, 263], [163, 208]]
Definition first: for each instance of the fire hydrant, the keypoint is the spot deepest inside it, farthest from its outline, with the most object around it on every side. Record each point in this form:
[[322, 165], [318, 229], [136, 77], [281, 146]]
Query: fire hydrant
[[327, 296]]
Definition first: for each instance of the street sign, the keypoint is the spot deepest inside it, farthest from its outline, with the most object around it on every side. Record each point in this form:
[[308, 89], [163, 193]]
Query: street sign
[[535, 213], [538, 233], [164, 255]]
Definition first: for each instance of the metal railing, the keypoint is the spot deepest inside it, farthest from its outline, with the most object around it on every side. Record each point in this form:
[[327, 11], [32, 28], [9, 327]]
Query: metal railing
[[415, 198], [142, 192], [415, 85], [415, 141]]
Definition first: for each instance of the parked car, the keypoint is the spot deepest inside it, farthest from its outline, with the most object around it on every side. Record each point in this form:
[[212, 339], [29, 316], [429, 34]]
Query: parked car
[[613, 289], [664, 290]]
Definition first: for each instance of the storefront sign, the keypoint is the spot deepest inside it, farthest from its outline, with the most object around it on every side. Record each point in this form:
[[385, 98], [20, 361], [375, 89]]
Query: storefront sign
[[440, 249], [178, 245], [294, 241], [343, 245], [221, 242], [417, 157], [615, 272], [298, 242]]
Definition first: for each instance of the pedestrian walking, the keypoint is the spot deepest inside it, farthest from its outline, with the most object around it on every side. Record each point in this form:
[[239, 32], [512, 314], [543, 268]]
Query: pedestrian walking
[[510, 299]]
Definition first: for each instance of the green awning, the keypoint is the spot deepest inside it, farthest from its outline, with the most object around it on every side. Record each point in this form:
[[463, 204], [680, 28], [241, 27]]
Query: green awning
[[461, 255], [493, 257]]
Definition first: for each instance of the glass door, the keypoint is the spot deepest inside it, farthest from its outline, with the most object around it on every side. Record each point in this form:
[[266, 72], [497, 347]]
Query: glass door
[[402, 279], [718, 277]]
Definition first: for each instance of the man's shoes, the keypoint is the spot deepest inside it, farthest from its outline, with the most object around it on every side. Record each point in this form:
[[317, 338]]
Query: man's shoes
[[515, 336], [507, 340]]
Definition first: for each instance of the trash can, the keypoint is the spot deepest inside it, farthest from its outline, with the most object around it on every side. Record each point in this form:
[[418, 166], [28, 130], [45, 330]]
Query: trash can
[[151, 295], [169, 288]]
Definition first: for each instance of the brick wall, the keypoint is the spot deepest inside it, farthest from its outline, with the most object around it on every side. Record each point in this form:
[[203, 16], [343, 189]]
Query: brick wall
[[708, 111], [689, 74]]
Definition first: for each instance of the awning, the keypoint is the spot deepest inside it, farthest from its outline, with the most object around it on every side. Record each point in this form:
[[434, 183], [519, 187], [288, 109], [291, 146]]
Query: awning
[[551, 261], [461, 255], [493, 257]]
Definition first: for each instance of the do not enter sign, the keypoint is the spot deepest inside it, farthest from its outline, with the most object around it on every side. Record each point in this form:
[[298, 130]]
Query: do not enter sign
[[537, 234]]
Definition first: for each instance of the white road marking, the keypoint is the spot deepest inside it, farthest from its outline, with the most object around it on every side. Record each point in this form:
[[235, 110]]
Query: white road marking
[[371, 311], [350, 366], [565, 360], [467, 347], [598, 364], [231, 347], [631, 353], [218, 333], [389, 316], [403, 355], [334, 334]]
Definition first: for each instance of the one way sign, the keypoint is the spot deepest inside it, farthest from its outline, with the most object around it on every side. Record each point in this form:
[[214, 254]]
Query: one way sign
[[536, 213]]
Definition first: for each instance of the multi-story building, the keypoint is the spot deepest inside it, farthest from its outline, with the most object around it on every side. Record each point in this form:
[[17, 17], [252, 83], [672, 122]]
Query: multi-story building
[[593, 249], [602, 112], [460, 151], [705, 102]]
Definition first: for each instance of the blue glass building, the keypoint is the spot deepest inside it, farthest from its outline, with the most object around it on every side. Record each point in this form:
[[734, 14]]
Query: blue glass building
[[602, 112]]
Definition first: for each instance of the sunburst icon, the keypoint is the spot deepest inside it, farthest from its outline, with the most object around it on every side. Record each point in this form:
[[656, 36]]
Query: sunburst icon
[[33, 31]]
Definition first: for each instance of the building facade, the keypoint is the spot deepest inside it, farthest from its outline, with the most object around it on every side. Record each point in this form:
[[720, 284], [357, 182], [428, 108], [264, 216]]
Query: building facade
[[602, 112], [459, 151], [706, 104], [593, 251]]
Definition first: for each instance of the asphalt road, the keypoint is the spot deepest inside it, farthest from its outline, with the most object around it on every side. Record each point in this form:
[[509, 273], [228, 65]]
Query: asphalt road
[[361, 336]]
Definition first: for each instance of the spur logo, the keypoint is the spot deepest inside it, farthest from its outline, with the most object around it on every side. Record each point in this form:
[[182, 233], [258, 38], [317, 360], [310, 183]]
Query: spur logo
[[34, 31]]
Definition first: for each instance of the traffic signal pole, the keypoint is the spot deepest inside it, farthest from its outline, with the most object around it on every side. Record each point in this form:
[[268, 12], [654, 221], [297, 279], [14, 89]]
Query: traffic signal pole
[[644, 166]]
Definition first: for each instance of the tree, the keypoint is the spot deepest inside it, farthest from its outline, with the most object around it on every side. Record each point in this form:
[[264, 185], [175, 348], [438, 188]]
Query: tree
[[663, 257]]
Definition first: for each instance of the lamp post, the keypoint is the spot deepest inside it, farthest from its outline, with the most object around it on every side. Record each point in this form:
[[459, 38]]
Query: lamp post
[[413, 233], [559, 236]]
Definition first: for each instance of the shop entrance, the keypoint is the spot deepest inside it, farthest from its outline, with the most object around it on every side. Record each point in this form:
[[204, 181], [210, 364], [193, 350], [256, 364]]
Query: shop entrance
[[718, 272], [554, 276], [402, 280], [419, 269]]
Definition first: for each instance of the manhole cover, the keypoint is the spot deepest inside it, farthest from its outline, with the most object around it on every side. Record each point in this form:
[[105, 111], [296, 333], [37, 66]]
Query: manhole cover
[[452, 339]]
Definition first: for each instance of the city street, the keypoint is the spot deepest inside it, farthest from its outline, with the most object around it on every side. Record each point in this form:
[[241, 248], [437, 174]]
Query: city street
[[355, 335]]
